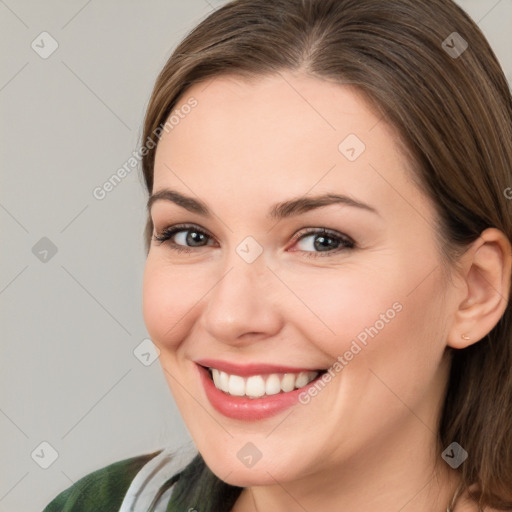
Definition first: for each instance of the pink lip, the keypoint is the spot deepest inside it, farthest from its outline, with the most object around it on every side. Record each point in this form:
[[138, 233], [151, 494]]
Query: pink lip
[[249, 409], [247, 370]]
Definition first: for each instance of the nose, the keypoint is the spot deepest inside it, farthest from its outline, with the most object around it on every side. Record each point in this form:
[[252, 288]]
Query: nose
[[242, 306]]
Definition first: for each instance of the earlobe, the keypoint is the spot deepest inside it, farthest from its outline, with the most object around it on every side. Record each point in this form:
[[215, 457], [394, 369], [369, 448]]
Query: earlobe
[[487, 270]]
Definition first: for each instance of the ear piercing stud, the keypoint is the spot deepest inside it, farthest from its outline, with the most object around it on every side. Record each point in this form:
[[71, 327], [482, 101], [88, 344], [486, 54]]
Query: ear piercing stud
[[465, 337]]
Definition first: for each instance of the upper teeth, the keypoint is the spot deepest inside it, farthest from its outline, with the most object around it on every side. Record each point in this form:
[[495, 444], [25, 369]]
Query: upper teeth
[[259, 385]]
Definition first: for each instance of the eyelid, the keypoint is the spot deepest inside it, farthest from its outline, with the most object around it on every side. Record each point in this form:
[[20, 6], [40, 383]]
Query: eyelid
[[308, 231]]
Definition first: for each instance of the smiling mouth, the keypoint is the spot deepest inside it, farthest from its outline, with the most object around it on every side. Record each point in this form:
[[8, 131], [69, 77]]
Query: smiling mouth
[[258, 386]]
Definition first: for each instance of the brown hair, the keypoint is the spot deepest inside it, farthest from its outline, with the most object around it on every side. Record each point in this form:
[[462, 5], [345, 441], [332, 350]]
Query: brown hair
[[454, 116]]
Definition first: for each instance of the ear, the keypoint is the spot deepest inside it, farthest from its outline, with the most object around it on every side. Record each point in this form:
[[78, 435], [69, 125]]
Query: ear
[[486, 271]]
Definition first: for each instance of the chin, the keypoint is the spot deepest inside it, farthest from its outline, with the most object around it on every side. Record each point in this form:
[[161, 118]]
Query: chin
[[249, 477], [234, 472]]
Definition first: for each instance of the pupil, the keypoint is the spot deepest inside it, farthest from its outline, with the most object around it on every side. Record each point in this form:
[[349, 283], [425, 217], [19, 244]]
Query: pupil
[[194, 236], [322, 239]]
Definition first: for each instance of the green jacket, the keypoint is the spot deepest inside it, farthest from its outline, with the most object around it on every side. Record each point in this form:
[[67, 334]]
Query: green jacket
[[106, 489]]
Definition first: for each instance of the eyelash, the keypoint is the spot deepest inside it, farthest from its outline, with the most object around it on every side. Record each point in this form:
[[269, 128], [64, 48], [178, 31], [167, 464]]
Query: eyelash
[[169, 232]]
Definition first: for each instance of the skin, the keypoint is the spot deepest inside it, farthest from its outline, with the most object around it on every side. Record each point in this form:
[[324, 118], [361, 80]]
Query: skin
[[367, 441]]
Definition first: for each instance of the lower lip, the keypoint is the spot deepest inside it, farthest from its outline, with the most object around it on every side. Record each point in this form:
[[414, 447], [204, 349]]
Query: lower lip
[[249, 409]]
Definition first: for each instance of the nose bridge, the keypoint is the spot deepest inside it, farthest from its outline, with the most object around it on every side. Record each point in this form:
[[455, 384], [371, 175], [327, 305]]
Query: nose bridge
[[239, 302]]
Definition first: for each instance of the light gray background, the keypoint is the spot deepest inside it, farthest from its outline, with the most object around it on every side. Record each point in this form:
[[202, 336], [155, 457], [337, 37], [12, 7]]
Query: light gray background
[[70, 325]]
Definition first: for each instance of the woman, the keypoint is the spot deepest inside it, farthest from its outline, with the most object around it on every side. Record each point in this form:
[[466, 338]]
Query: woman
[[328, 264]]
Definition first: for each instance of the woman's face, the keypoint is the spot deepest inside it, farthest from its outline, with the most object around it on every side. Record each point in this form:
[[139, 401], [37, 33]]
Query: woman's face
[[261, 294]]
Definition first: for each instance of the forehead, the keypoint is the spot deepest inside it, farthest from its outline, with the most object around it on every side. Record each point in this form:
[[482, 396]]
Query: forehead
[[267, 115], [286, 131], [272, 101]]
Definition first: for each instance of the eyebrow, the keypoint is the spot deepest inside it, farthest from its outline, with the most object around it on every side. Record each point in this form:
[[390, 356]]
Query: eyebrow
[[289, 208]]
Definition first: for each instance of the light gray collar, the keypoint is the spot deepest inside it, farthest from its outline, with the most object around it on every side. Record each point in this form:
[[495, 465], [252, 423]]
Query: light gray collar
[[152, 476]]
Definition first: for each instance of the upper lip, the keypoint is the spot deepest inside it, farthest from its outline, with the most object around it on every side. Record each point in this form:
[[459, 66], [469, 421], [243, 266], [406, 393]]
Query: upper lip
[[246, 370]]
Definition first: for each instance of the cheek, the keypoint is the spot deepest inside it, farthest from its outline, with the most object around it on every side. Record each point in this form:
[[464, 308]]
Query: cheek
[[382, 318], [169, 297], [401, 350], [335, 306]]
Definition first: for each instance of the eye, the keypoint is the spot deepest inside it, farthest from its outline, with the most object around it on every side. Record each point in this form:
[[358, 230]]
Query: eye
[[196, 236], [323, 242]]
